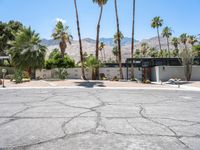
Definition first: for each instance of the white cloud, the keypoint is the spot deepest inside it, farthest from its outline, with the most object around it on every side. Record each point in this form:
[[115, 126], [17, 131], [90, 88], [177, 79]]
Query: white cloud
[[62, 20]]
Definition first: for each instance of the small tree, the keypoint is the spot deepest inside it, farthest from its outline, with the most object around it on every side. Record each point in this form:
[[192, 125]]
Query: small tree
[[187, 58]]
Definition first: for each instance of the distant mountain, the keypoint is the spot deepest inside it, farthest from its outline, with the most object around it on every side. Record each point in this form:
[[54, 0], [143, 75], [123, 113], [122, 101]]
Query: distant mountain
[[106, 41], [89, 47]]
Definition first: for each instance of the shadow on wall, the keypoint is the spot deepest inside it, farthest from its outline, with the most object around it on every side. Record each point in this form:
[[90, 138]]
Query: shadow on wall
[[90, 84]]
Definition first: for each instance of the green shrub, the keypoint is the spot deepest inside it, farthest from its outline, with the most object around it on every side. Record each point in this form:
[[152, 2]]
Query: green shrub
[[18, 76], [58, 62], [62, 73]]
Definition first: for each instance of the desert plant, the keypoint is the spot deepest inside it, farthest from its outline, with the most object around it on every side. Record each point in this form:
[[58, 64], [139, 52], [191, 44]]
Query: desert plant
[[18, 76], [187, 58], [62, 73]]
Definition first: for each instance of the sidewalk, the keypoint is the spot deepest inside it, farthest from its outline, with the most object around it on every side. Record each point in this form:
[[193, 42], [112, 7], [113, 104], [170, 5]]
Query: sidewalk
[[99, 84]]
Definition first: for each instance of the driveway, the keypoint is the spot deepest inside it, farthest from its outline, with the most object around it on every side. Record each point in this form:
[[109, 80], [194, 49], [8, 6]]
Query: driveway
[[99, 119]]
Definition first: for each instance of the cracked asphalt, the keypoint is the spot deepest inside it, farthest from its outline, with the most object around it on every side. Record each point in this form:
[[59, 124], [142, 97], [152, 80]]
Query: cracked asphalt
[[99, 119]]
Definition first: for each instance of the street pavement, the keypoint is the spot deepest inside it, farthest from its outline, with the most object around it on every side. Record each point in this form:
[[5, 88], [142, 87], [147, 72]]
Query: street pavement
[[99, 119]]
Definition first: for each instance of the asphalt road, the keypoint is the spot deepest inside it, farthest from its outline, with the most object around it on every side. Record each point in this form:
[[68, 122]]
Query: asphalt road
[[99, 119]]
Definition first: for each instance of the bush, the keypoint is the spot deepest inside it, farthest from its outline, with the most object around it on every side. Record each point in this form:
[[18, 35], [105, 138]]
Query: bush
[[62, 73], [25, 75], [18, 76], [58, 62]]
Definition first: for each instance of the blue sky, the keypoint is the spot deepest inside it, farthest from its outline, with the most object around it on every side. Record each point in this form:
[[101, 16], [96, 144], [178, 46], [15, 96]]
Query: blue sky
[[181, 15]]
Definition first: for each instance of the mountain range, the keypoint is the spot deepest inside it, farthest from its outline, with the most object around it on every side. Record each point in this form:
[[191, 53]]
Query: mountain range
[[89, 47]]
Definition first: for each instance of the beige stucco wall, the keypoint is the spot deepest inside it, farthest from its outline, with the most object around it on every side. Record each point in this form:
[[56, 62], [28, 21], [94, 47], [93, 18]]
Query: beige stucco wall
[[75, 73], [164, 73]]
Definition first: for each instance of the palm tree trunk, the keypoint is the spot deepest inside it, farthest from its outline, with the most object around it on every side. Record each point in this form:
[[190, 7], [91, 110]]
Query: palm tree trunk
[[168, 46], [159, 39], [80, 42], [133, 37], [97, 42], [119, 41]]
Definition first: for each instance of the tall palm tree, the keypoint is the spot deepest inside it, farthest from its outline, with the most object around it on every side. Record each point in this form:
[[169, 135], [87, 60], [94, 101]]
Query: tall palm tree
[[133, 39], [175, 42], [167, 32], [119, 41], [183, 39], [156, 23], [61, 33], [80, 42], [26, 51], [192, 39], [101, 3]]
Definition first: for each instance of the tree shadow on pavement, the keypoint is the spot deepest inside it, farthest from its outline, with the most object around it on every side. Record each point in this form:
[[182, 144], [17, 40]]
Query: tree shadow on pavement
[[89, 84]]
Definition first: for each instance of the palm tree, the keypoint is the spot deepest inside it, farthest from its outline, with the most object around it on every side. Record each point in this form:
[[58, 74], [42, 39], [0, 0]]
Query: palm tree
[[167, 32], [183, 39], [26, 51], [133, 38], [192, 40], [80, 42], [101, 48], [101, 3], [119, 40], [116, 53], [144, 48], [92, 63], [156, 23], [61, 33], [175, 42]]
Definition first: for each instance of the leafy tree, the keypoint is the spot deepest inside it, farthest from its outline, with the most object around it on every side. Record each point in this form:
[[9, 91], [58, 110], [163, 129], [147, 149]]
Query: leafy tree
[[167, 32], [118, 40], [26, 51], [61, 33], [80, 42], [156, 23], [7, 33], [55, 61], [101, 4], [196, 50], [92, 63]]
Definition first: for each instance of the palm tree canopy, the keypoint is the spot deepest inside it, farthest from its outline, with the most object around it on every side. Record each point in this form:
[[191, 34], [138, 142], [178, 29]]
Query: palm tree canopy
[[115, 51], [156, 22], [183, 38], [100, 2], [175, 42], [26, 50], [101, 46], [120, 34], [167, 32], [62, 32], [192, 39], [92, 62]]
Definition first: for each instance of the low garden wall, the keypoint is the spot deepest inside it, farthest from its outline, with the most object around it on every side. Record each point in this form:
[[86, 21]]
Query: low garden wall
[[75, 73]]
